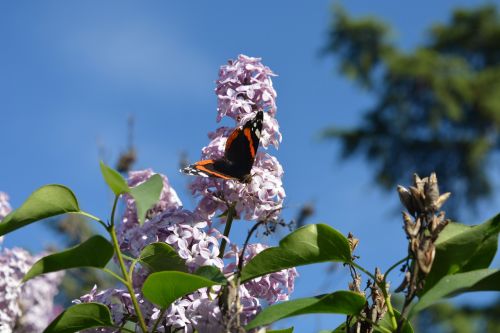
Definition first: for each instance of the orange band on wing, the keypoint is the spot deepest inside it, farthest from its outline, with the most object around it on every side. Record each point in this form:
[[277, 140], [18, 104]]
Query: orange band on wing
[[231, 137], [248, 135], [200, 166]]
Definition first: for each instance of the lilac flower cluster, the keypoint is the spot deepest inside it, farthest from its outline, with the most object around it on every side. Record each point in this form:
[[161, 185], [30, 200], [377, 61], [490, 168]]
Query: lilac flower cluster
[[5, 208], [28, 307], [244, 86]]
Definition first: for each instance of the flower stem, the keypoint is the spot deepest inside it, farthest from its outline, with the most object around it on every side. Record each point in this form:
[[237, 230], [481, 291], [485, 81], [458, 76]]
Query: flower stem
[[229, 221], [390, 310], [112, 231]]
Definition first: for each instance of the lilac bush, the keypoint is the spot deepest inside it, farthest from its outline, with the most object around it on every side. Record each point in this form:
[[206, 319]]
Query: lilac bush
[[244, 87], [176, 273]]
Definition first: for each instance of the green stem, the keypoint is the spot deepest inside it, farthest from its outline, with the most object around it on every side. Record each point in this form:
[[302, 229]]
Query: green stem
[[390, 310], [394, 266], [229, 221], [113, 274], [90, 216], [126, 276], [128, 283], [113, 210], [363, 270]]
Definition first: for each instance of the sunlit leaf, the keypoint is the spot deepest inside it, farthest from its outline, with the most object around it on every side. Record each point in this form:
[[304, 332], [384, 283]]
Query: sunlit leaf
[[310, 244], [162, 288], [115, 181], [79, 317], [462, 248], [94, 252], [452, 285], [340, 302], [162, 257], [146, 195], [47, 201]]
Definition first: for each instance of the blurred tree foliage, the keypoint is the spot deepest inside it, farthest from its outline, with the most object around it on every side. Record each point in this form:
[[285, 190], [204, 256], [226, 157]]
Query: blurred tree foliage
[[437, 107], [447, 318]]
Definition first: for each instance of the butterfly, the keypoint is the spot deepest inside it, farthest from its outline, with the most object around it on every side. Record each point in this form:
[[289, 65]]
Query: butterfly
[[239, 154]]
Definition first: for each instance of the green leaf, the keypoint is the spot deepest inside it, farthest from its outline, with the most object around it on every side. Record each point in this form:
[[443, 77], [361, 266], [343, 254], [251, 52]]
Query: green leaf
[[79, 317], [461, 248], [162, 288], [115, 181], [286, 330], [146, 195], [162, 257], [212, 273], [341, 302], [307, 245], [385, 322], [47, 201], [94, 252], [452, 285]]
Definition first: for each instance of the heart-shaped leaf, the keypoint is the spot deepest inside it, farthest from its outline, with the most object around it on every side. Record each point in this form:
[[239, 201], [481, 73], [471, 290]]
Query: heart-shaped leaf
[[310, 244], [162, 288], [47, 201], [461, 248], [79, 317], [115, 181], [94, 252], [146, 195], [341, 302], [162, 257], [452, 285]]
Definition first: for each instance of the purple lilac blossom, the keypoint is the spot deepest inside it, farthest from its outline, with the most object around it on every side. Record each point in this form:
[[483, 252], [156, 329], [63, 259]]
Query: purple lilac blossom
[[273, 287], [244, 86], [5, 209], [168, 201], [27, 307]]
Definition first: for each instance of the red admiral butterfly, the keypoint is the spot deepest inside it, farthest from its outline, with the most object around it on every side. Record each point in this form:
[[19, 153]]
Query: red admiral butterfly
[[239, 154]]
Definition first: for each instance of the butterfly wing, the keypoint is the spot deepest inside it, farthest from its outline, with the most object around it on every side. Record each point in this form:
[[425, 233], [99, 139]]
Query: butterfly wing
[[208, 168], [239, 154], [242, 143]]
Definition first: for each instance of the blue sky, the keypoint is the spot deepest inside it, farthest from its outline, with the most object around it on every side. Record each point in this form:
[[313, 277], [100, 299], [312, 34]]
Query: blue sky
[[72, 72]]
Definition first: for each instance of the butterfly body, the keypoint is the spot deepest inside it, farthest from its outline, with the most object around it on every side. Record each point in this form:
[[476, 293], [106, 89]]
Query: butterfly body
[[239, 154]]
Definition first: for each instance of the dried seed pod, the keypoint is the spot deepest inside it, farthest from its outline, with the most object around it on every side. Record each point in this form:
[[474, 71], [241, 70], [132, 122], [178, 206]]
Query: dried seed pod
[[425, 255], [406, 200], [353, 242], [431, 191], [418, 199], [442, 199]]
